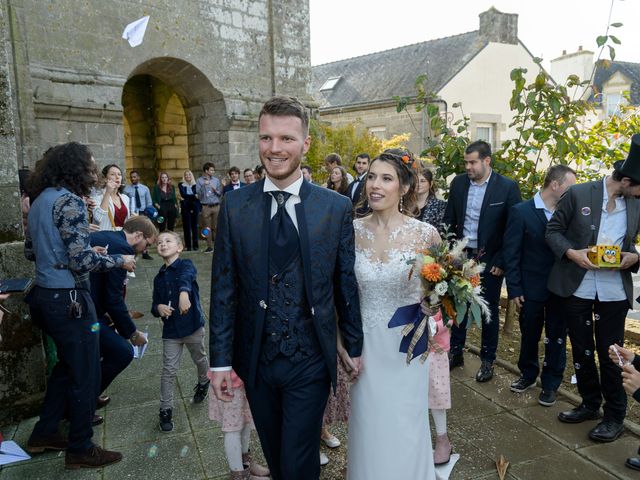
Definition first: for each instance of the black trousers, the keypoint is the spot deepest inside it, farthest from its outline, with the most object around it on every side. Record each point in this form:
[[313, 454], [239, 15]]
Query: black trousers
[[74, 383], [170, 213], [115, 354], [491, 286], [593, 327], [190, 212], [533, 317], [287, 403]]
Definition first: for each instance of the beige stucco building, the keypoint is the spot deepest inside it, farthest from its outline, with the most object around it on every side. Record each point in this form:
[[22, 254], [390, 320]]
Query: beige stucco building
[[471, 68]]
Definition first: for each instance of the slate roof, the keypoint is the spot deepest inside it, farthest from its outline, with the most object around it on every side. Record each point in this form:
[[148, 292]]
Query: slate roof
[[382, 75], [628, 69]]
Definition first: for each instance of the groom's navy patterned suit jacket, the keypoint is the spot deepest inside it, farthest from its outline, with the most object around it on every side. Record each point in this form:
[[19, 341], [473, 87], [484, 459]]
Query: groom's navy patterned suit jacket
[[239, 286]]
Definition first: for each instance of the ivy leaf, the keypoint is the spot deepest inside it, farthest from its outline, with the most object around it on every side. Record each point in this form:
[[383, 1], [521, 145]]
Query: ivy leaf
[[615, 39], [616, 25], [601, 40], [554, 103], [612, 53]]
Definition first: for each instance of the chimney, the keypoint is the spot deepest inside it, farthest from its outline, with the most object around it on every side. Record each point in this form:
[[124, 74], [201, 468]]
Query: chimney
[[578, 63], [499, 27]]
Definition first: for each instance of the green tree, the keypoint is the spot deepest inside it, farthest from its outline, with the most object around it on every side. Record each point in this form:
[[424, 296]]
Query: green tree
[[347, 141]]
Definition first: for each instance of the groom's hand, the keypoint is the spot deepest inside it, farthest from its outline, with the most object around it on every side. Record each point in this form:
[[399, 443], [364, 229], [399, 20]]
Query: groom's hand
[[351, 365], [221, 383]]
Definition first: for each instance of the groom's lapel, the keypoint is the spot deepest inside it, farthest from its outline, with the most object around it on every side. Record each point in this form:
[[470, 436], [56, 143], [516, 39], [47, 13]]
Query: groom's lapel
[[303, 233], [256, 215]]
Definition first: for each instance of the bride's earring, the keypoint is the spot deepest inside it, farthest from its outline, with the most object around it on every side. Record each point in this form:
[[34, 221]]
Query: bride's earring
[[401, 204]]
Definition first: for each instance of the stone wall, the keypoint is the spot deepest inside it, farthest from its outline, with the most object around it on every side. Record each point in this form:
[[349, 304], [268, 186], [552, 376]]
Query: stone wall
[[72, 65], [22, 363]]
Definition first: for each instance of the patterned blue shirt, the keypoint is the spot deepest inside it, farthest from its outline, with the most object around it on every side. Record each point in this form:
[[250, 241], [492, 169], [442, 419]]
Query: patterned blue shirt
[[72, 221]]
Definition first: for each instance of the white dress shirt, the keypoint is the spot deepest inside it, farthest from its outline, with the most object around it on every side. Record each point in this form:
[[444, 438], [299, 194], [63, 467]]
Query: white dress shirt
[[357, 183], [539, 204], [606, 283], [472, 214]]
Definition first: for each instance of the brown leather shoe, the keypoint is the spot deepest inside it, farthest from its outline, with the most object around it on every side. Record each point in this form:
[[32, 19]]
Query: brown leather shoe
[[97, 420], [103, 401], [95, 457], [55, 441]]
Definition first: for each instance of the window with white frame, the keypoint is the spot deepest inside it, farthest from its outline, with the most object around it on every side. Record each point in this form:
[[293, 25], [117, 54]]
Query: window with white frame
[[613, 102], [484, 132], [378, 132], [329, 84]]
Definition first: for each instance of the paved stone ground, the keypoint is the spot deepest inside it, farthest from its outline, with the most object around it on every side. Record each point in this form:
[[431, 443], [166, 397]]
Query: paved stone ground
[[487, 420]]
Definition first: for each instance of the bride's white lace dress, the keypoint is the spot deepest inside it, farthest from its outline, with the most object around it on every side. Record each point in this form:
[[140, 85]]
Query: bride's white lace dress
[[389, 424]]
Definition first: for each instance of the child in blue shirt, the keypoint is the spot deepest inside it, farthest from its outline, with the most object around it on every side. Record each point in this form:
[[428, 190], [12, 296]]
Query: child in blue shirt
[[176, 299]]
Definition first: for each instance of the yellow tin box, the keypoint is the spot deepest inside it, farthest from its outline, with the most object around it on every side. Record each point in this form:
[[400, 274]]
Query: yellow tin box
[[605, 256]]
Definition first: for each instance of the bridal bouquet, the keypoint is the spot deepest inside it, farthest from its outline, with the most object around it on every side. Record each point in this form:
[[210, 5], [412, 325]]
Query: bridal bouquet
[[451, 284]]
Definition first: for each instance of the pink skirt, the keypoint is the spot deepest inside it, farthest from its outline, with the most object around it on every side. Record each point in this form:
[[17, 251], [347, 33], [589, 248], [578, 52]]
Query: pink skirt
[[439, 381], [232, 416], [338, 406]]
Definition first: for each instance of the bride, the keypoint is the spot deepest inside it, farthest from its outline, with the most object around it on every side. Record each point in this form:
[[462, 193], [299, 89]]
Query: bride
[[389, 425]]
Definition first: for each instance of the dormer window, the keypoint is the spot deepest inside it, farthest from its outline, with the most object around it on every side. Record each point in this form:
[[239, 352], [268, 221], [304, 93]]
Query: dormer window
[[613, 102], [330, 84]]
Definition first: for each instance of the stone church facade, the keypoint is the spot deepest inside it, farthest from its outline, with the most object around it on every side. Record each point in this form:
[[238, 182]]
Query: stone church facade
[[189, 94]]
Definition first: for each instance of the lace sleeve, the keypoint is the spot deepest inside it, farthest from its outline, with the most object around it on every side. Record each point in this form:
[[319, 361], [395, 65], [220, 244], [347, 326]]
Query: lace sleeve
[[429, 235]]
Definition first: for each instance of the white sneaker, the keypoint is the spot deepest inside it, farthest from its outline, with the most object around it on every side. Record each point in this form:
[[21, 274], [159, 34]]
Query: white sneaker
[[323, 459], [331, 442]]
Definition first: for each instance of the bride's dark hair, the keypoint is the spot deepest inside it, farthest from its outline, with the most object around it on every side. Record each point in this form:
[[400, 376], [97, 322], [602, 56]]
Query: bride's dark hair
[[405, 166]]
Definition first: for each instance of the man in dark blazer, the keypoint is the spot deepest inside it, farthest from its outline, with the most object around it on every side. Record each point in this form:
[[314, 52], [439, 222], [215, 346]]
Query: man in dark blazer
[[117, 328], [477, 208], [528, 261], [235, 183], [357, 186], [596, 300], [276, 289]]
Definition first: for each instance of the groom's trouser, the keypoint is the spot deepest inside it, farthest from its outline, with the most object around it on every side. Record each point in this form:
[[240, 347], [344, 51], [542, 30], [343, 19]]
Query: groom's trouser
[[287, 403]]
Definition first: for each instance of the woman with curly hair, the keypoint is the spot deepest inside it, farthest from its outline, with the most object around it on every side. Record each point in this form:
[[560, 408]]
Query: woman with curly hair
[[57, 240], [112, 205]]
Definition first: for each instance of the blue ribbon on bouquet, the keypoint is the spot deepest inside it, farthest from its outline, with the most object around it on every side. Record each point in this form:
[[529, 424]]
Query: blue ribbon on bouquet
[[410, 314]]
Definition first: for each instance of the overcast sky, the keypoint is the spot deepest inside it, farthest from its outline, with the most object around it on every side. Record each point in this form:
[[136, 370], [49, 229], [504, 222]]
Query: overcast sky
[[346, 28]]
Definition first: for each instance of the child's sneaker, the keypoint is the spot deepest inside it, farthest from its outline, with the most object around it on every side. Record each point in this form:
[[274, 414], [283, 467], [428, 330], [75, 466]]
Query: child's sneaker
[[166, 425], [200, 392]]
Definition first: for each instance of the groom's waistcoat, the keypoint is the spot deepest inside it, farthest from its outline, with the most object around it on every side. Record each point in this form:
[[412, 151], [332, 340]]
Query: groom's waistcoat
[[288, 326]]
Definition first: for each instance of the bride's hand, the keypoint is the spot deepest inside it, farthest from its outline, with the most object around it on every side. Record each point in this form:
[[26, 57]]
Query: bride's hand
[[427, 309]]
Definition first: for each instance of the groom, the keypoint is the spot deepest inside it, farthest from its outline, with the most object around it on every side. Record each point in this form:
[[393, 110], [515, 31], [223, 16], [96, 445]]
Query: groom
[[282, 267]]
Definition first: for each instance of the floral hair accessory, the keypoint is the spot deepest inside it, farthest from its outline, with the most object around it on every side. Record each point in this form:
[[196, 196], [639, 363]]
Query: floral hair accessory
[[409, 161]]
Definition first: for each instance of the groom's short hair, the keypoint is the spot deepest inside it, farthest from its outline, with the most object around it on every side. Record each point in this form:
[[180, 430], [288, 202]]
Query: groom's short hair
[[283, 106]]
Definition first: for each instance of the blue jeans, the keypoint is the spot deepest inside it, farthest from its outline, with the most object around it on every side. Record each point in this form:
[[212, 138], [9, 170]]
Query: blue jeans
[[74, 383]]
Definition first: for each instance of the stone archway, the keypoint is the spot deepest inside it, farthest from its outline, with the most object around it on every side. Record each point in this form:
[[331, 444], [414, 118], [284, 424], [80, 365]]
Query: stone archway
[[173, 119]]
